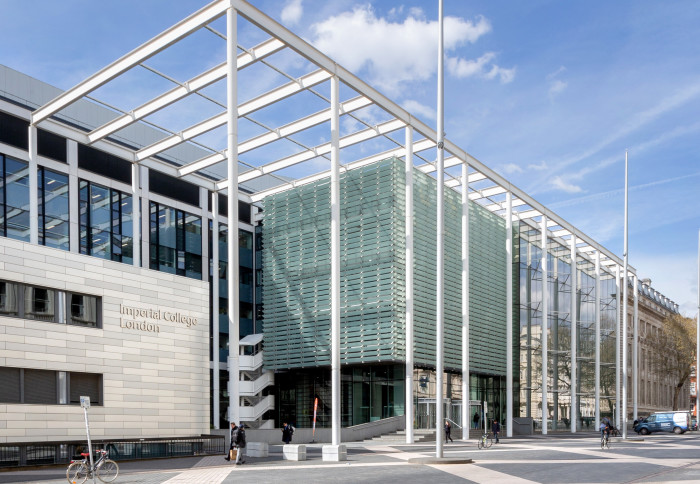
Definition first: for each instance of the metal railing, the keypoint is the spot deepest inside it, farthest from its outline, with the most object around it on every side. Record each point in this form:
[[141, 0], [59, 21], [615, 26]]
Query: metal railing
[[49, 453]]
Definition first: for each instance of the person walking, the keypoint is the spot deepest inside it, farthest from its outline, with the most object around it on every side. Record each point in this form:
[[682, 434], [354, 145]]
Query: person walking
[[448, 431], [496, 429], [241, 445], [287, 433], [234, 438], [475, 420]]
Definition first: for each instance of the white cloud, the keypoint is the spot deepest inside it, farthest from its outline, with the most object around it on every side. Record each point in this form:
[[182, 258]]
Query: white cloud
[[542, 165], [414, 107], [481, 67], [557, 87], [556, 73], [292, 12], [398, 51], [511, 168], [559, 184]]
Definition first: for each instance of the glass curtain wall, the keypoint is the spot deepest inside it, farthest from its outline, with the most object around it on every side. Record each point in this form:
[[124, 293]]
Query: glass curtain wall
[[14, 197], [106, 223], [176, 241], [53, 209], [559, 325]]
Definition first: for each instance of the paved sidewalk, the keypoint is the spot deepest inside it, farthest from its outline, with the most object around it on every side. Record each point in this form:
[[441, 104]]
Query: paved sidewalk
[[552, 459]]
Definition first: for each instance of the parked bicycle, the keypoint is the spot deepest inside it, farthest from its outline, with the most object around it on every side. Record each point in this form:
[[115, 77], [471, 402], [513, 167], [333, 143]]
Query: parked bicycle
[[105, 469], [485, 441]]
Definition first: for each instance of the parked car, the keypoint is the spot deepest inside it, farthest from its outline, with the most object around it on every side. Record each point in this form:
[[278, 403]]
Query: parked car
[[677, 422]]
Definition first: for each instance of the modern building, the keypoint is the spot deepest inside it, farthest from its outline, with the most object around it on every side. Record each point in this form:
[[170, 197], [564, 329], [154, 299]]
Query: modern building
[[115, 254]]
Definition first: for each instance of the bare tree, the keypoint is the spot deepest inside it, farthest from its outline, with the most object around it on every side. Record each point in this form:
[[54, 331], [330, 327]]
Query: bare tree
[[674, 352]]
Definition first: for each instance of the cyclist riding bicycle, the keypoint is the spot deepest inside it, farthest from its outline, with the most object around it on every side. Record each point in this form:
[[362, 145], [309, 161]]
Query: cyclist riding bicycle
[[605, 428]]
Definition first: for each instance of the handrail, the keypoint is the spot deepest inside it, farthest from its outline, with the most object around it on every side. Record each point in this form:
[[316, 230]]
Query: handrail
[[454, 423]]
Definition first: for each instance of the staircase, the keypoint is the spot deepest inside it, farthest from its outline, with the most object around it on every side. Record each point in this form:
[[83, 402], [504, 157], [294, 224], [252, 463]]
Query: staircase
[[253, 382]]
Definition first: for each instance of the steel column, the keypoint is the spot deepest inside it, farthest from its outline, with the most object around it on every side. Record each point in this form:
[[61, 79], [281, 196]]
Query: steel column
[[465, 302], [623, 407], [440, 269], [216, 397], [409, 285], [573, 316], [509, 314], [335, 261], [597, 339], [232, 206], [635, 351], [618, 300], [545, 323]]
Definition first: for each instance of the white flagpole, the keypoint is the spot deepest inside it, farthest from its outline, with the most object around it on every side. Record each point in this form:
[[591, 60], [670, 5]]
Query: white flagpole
[[623, 406], [697, 343]]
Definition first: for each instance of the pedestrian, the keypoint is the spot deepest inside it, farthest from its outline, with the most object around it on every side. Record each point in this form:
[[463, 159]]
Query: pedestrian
[[287, 433], [475, 420], [448, 431], [241, 445], [496, 429], [234, 437]]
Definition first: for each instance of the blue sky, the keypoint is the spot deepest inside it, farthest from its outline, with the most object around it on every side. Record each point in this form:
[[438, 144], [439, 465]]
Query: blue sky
[[548, 93]]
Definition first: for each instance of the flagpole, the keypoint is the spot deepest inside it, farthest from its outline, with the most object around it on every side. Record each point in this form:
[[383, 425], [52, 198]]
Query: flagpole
[[623, 406], [697, 344], [440, 287]]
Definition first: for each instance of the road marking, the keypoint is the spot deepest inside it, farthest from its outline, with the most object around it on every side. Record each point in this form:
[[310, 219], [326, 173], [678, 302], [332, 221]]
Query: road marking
[[214, 475], [479, 474]]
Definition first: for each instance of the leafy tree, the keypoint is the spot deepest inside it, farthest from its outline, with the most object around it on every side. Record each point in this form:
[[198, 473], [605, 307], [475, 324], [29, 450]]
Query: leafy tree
[[674, 352]]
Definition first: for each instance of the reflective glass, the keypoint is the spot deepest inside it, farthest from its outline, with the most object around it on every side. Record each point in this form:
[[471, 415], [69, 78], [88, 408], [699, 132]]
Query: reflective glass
[[16, 199], [53, 209]]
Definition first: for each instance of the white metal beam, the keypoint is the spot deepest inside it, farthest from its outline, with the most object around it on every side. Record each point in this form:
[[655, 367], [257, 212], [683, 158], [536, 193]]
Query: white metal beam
[[279, 133], [244, 109], [201, 81], [421, 145], [161, 41], [292, 160]]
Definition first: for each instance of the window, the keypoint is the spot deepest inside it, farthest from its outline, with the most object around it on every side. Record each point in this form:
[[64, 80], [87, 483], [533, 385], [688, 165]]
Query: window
[[39, 303], [106, 223], [14, 198], [47, 387], [42, 304], [176, 241], [82, 310], [53, 209], [9, 297]]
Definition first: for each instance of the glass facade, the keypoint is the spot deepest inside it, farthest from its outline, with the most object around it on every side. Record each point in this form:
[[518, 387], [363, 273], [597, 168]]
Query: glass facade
[[54, 227], [559, 285], [176, 241], [14, 198], [106, 223]]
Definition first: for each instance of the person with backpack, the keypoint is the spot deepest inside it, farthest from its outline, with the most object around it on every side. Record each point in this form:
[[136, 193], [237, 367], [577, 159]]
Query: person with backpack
[[287, 432], [241, 445]]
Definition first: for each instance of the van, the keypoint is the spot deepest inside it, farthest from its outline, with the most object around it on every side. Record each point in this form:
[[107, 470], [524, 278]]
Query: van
[[677, 422]]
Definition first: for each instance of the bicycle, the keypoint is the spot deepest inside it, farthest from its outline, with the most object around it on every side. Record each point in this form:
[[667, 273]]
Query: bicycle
[[105, 469], [485, 441], [605, 441], [614, 432]]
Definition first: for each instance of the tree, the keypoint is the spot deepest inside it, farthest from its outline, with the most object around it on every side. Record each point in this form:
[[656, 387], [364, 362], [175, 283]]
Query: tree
[[674, 352]]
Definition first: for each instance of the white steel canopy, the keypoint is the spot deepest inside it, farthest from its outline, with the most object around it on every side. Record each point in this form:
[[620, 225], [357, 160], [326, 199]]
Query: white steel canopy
[[284, 154]]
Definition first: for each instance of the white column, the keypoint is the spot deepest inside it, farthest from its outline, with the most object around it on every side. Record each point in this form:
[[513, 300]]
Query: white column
[[574, 335], [697, 344], [74, 196], [440, 289], [136, 215], [335, 261], [465, 302], [625, 281], [216, 410], [203, 205], [232, 206], [409, 285], [509, 314], [618, 299], [145, 217], [597, 339], [545, 325], [33, 187], [635, 352]]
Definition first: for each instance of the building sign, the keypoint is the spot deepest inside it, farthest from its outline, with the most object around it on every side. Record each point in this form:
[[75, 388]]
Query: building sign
[[141, 319]]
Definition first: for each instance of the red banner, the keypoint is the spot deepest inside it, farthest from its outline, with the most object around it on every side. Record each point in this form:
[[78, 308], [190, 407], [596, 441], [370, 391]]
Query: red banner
[[313, 429]]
